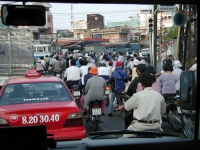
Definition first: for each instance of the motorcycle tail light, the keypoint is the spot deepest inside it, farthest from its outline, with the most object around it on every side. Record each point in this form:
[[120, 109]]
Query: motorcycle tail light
[[107, 87], [176, 103]]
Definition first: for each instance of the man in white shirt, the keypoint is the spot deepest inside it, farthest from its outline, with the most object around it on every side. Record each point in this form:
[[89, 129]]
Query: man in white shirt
[[121, 58], [42, 61], [83, 68], [72, 74], [148, 106], [194, 67], [103, 70], [51, 60]]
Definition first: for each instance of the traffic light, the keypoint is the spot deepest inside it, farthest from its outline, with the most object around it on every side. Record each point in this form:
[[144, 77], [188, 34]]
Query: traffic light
[[150, 25]]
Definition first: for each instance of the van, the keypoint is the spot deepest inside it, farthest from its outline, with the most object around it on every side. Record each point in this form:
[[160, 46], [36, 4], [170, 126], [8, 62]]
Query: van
[[144, 52]]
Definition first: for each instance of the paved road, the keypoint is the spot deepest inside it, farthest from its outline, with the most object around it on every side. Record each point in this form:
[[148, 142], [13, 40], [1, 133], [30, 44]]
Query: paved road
[[117, 122]]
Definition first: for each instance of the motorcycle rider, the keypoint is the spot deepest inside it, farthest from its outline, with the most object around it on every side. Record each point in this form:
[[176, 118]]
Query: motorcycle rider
[[72, 74], [117, 81], [94, 84], [39, 66], [148, 106], [103, 70], [57, 66], [110, 67], [83, 67], [141, 68]]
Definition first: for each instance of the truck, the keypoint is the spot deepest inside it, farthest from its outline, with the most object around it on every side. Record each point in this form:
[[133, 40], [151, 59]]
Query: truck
[[16, 52], [135, 47], [95, 47]]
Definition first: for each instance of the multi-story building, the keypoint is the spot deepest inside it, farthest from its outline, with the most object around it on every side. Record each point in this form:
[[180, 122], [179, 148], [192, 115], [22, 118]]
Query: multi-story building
[[95, 21]]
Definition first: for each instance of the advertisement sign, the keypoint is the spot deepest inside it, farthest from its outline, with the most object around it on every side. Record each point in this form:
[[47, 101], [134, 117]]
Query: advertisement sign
[[167, 8], [45, 38], [97, 36]]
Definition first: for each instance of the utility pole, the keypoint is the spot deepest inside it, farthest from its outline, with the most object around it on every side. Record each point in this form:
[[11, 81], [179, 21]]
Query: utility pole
[[72, 17], [154, 39]]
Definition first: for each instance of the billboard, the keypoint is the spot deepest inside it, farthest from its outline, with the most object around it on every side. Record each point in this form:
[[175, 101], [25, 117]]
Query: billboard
[[97, 36]]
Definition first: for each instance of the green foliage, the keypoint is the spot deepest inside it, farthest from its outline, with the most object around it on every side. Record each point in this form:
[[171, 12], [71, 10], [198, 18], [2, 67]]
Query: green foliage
[[170, 34]]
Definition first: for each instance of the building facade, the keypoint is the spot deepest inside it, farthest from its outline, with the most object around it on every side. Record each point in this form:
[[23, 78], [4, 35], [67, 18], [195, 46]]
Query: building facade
[[95, 21]]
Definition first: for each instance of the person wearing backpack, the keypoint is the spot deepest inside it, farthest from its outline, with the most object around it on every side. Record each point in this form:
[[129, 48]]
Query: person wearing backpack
[[117, 81]]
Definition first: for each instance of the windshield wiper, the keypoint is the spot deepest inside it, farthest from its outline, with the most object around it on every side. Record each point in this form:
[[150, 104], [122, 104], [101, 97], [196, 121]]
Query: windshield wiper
[[143, 133]]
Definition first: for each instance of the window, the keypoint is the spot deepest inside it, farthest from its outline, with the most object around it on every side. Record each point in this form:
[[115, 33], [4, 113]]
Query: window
[[114, 15], [34, 93]]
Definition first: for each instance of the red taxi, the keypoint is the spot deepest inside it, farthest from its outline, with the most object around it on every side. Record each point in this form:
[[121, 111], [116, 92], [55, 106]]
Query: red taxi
[[36, 100]]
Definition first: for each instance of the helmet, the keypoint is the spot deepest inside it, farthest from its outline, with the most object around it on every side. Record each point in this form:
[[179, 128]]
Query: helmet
[[93, 70], [103, 62], [110, 62]]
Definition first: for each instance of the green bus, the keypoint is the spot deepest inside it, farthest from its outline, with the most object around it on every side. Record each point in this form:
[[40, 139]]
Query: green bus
[[119, 47]]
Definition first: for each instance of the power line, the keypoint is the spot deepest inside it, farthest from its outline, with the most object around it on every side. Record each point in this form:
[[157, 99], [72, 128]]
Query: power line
[[124, 11]]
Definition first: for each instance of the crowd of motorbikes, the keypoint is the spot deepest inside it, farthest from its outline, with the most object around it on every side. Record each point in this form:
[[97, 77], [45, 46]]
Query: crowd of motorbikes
[[173, 115]]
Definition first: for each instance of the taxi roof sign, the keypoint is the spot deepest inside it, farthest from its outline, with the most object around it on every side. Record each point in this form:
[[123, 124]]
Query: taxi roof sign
[[32, 73]]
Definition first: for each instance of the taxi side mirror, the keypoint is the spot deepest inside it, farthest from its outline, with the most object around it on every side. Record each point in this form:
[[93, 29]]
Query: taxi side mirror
[[188, 86], [23, 15]]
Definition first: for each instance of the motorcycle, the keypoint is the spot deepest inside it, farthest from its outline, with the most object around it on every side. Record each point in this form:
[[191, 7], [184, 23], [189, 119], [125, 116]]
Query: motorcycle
[[94, 113], [42, 72], [58, 74], [77, 94], [173, 111], [107, 94], [118, 102], [50, 69]]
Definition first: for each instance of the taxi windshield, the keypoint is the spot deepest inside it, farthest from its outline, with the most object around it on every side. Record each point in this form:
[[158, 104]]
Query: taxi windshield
[[34, 93], [123, 41]]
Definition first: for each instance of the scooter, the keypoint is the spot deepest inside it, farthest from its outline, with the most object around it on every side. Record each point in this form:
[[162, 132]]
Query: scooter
[[118, 102], [94, 113], [42, 72], [172, 115], [58, 74]]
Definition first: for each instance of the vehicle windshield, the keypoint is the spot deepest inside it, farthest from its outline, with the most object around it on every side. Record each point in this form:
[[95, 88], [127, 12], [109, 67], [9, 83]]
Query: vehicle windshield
[[70, 26], [34, 93]]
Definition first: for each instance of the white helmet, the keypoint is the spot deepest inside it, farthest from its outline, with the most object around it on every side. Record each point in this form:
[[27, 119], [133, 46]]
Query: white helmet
[[103, 63]]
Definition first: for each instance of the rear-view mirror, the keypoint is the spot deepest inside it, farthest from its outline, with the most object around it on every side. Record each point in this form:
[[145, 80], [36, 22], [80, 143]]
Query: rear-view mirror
[[188, 86], [23, 15]]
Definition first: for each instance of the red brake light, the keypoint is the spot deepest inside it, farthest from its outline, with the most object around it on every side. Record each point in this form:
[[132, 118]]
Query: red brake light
[[107, 87], [32, 73], [73, 122]]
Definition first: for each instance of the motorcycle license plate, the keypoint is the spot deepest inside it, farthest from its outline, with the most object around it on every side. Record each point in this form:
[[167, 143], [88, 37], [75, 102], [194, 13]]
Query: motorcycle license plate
[[76, 93], [96, 111], [57, 75], [107, 92], [49, 68], [178, 109]]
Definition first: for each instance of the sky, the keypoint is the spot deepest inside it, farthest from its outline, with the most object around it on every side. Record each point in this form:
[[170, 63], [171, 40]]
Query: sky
[[111, 12]]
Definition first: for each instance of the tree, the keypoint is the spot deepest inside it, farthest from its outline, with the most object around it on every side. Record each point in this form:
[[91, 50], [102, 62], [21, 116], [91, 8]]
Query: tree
[[170, 33]]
